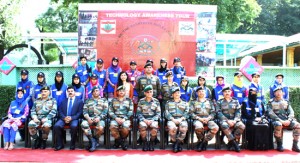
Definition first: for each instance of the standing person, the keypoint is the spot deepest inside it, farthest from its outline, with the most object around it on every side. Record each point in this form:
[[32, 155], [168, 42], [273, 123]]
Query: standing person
[[79, 89], [279, 83], [239, 91], [203, 113], [120, 111], [257, 89], [217, 93], [43, 111], [177, 112], [148, 79], [133, 74], [101, 73], [185, 90], [93, 83], [201, 83], [41, 82], [178, 70], [69, 111], [148, 113], [282, 114], [17, 114], [123, 79], [153, 70], [229, 113], [166, 89], [83, 70], [112, 77], [59, 88], [161, 72], [95, 111]]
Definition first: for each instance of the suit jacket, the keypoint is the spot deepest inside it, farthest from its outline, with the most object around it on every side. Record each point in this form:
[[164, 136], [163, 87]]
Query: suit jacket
[[77, 109]]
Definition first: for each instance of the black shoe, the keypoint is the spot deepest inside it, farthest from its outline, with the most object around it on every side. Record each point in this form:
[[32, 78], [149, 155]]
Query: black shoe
[[279, 146], [236, 146], [94, 145], [295, 147], [151, 146], [124, 145], [37, 144], [72, 147], [117, 143], [199, 146], [145, 145], [204, 145], [44, 144], [175, 146], [58, 148]]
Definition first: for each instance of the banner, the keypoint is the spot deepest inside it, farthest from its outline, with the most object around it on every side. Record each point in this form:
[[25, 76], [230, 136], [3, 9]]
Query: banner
[[139, 34]]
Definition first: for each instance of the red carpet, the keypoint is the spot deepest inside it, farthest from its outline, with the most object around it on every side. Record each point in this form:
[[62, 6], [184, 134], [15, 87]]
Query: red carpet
[[138, 156]]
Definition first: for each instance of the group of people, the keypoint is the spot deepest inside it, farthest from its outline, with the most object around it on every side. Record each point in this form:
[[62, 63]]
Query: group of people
[[150, 95]]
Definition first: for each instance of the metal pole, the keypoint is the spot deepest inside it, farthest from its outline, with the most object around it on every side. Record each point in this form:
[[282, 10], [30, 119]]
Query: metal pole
[[284, 55], [224, 55]]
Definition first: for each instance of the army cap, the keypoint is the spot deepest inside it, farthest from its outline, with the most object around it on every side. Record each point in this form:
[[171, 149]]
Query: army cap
[[148, 64], [169, 73], [255, 74], [148, 88], [219, 76], [20, 90], [238, 73], [45, 88], [177, 59], [94, 76], [225, 88], [24, 72], [75, 76], [121, 87], [99, 61], [163, 60], [132, 63], [59, 73], [175, 89], [115, 59], [199, 88], [41, 74], [279, 75], [94, 88], [277, 88], [185, 78]]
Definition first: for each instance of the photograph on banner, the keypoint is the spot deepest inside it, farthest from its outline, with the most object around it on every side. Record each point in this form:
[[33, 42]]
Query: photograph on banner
[[88, 29], [86, 41], [207, 72], [205, 59], [90, 54], [88, 17]]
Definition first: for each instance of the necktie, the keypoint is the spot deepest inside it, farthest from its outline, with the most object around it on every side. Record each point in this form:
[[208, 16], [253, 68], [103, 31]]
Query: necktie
[[70, 107]]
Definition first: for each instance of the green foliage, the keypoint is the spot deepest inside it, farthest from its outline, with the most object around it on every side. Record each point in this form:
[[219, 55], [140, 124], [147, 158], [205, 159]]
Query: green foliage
[[6, 96], [295, 102], [51, 55]]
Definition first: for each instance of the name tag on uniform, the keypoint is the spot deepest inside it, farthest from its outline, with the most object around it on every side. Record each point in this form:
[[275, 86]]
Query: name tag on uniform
[[17, 111], [178, 76], [239, 95], [220, 96], [84, 72], [24, 91], [164, 78], [79, 70], [39, 95], [77, 93], [132, 78], [115, 74], [256, 110], [101, 76], [160, 74], [258, 94], [58, 93]]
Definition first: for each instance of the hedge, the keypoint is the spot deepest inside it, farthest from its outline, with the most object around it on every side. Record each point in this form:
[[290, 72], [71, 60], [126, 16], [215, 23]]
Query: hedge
[[8, 92]]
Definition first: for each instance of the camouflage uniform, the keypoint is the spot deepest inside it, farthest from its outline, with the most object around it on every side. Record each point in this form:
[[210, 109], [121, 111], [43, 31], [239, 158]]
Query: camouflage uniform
[[120, 109], [199, 110], [150, 111], [143, 81], [42, 109], [281, 111], [94, 108]]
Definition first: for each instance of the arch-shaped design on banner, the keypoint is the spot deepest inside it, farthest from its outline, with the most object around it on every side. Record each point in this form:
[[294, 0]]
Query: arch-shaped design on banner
[[40, 60]]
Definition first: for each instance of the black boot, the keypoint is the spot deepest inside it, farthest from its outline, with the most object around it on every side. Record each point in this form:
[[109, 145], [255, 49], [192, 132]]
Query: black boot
[[44, 143], [37, 143], [236, 146], [204, 145], [151, 145], [199, 146], [145, 145], [123, 144], [175, 146], [295, 146], [94, 145], [117, 143], [279, 145]]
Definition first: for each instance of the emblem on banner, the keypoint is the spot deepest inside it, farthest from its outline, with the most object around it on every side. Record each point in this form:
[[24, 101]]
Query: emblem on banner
[[145, 45], [186, 28], [108, 27]]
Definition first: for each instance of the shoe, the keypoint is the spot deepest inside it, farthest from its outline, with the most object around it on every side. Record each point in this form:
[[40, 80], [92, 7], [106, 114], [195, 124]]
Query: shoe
[[204, 145], [94, 145], [124, 145], [44, 144], [151, 146], [37, 144], [6, 146], [58, 148], [145, 145], [236, 146], [279, 146], [11, 146], [175, 146], [295, 147], [117, 143], [72, 147], [199, 146]]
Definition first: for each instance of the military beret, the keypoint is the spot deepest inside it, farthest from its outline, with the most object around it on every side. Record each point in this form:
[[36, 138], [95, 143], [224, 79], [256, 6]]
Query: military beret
[[226, 88], [75, 76], [94, 88], [82, 56], [238, 73], [121, 87], [94, 76], [219, 76], [99, 61], [279, 75], [176, 60], [149, 61], [148, 64], [45, 88], [185, 78], [201, 77], [199, 88], [40, 74], [59, 73], [255, 74], [132, 63], [20, 90], [24, 72], [115, 59], [175, 89], [148, 88], [163, 60], [277, 88], [169, 73]]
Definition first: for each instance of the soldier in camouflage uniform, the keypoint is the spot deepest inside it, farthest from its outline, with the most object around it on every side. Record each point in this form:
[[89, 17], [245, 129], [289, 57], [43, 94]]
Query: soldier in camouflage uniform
[[229, 113], [282, 114], [95, 112], [166, 89], [177, 111], [120, 111], [43, 111], [148, 79], [148, 112], [203, 113]]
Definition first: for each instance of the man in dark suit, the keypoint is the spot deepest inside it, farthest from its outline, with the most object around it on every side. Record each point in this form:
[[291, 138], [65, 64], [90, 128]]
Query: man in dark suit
[[69, 112]]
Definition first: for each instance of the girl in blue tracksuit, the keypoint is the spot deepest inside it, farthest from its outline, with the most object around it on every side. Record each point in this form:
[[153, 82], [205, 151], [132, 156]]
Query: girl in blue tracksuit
[[59, 88], [185, 90], [279, 83], [201, 83], [79, 89], [41, 79], [83, 70], [112, 76], [101, 73], [178, 70], [161, 72], [217, 91], [239, 91], [26, 85]]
